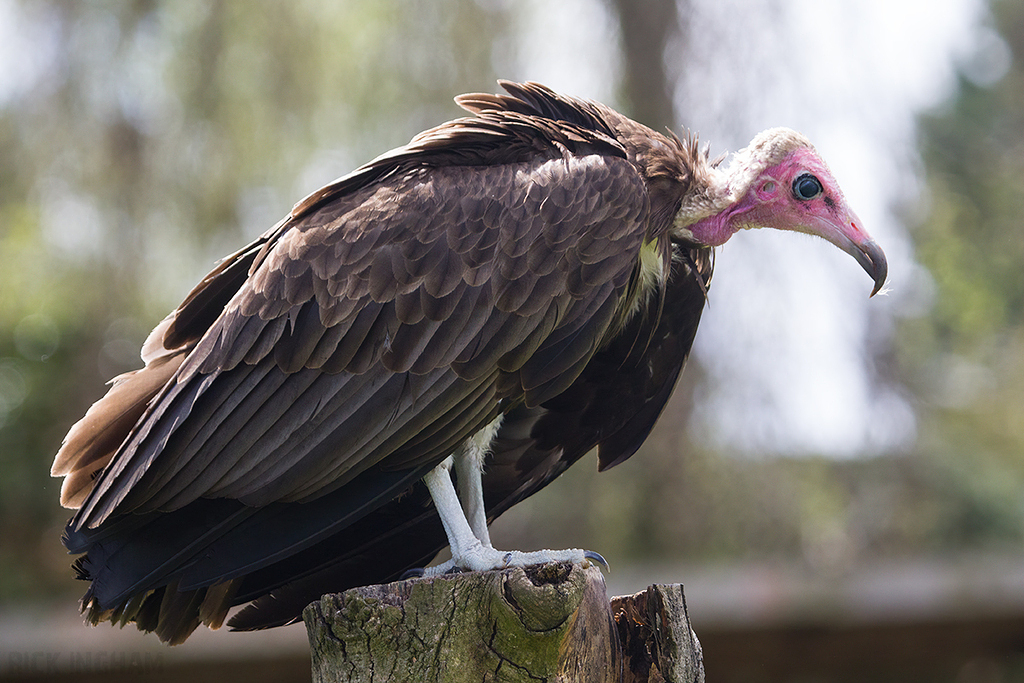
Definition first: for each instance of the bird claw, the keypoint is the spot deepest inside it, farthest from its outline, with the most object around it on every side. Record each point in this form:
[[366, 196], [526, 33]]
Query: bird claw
[[596, 557], [414, 573]]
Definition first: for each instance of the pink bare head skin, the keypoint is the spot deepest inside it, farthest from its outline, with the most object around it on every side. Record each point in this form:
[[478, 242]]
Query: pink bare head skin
[[780, 182]]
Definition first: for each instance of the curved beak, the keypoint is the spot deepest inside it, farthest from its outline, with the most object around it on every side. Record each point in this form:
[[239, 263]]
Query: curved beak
[[865, 250], [848, 236], [872, 259]]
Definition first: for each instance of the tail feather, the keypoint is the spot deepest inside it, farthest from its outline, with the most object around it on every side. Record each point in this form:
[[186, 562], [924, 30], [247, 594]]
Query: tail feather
[[169, 613], [93, 440]]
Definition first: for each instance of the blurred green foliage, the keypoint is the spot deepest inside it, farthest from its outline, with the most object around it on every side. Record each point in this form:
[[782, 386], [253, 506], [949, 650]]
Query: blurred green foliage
[[152, 139], [964, 361], [155, 137]]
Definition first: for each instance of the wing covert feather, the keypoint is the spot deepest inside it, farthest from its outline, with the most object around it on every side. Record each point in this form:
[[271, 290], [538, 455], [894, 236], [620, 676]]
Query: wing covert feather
[[444, 274]]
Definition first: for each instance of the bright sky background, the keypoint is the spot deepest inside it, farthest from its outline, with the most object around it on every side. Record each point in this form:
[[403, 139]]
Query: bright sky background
[[786, 337]]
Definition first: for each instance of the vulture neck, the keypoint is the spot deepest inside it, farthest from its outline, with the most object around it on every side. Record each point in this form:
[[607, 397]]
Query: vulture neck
[[707, 215], [717, 209]]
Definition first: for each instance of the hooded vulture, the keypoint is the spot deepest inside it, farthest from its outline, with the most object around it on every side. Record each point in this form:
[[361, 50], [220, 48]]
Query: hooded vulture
[[415, 348]]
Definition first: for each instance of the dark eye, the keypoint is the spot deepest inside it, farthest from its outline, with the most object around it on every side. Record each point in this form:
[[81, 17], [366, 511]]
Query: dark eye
[[807, 187]]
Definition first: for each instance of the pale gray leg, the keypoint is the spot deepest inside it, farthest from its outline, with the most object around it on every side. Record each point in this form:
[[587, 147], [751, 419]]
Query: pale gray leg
[[464, 543], [469, 468], [465, 520]]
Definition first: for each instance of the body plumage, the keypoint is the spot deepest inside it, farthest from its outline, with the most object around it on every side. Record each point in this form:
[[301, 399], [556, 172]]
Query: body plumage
[[530, 277]]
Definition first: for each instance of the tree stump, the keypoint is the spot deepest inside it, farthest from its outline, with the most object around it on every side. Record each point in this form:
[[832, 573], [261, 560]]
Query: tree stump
[[545, 623]]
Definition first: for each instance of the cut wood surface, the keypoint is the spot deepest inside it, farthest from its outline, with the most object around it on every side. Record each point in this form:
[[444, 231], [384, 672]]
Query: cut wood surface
[[545, 623]]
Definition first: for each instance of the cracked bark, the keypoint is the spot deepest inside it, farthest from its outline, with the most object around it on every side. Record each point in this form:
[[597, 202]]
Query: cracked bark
[[545, 623]]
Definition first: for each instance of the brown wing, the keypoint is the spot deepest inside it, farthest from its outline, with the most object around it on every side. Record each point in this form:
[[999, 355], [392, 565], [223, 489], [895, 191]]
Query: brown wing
[[386, 326], [613, 405]]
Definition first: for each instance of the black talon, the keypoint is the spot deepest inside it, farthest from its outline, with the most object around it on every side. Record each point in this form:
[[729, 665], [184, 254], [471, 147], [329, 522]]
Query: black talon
[[414, 573], [596, 557]]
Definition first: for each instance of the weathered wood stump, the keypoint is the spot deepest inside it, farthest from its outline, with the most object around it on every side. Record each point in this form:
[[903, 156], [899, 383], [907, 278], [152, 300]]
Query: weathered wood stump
[[546, 623]]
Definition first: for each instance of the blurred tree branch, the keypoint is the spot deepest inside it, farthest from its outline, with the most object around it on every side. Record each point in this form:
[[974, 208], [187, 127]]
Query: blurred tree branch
[[647, 27]]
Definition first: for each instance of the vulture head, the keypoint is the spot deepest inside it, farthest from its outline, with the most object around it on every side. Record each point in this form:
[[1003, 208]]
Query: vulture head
[[779, 181]]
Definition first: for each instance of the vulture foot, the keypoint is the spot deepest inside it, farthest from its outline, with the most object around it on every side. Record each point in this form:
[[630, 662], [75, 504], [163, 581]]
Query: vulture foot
[[480, 558]]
